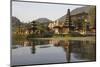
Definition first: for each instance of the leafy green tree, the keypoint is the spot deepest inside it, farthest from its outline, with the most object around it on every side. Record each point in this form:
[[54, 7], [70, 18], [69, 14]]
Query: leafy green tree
[[92, 16]]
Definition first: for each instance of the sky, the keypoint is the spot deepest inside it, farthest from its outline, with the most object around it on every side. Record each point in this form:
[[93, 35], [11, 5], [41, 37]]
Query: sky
[[28, 11]]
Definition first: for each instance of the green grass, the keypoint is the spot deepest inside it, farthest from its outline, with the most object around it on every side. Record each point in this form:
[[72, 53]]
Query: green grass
[[68, 38]]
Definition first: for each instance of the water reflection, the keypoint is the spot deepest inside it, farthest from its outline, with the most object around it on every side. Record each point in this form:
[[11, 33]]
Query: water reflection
[[64, 51]]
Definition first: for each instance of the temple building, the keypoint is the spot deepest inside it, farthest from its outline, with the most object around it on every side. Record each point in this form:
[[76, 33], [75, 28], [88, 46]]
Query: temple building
[[62, 27], [58, 27], [78, 20]]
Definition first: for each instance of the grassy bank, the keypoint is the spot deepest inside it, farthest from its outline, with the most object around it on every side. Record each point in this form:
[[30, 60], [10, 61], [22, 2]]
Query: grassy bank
[[68, 38]]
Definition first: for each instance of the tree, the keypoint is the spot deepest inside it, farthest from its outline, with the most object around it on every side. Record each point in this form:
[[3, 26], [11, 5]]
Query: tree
[[92, 16]]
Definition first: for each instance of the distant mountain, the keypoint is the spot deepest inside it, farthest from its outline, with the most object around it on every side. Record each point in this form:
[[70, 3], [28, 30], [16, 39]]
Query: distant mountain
[[76, 11], [62, 19], [15, 21], [43, 20], [81, 9]]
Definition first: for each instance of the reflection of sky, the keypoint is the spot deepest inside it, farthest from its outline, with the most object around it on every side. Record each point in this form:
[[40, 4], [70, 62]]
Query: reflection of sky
[[27, 11]]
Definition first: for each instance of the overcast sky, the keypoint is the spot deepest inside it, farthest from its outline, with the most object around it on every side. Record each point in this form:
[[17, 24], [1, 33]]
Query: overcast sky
[[28, 11]]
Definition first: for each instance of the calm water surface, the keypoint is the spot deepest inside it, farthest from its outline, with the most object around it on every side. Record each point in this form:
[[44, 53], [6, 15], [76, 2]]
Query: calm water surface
[[25, 52]]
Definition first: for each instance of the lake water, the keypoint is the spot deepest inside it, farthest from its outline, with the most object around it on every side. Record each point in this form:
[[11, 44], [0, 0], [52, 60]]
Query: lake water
[[25, 52]]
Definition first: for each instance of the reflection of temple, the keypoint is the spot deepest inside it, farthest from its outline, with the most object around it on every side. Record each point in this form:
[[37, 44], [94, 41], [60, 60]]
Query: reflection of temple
[[79, 48], [65, 45]]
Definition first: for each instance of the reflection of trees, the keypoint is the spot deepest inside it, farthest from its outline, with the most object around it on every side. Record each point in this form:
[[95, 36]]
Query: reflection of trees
[[81, 49], [88, 50]]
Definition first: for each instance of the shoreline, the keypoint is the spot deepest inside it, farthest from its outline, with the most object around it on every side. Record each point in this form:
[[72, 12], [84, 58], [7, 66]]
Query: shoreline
[[67, 38]]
